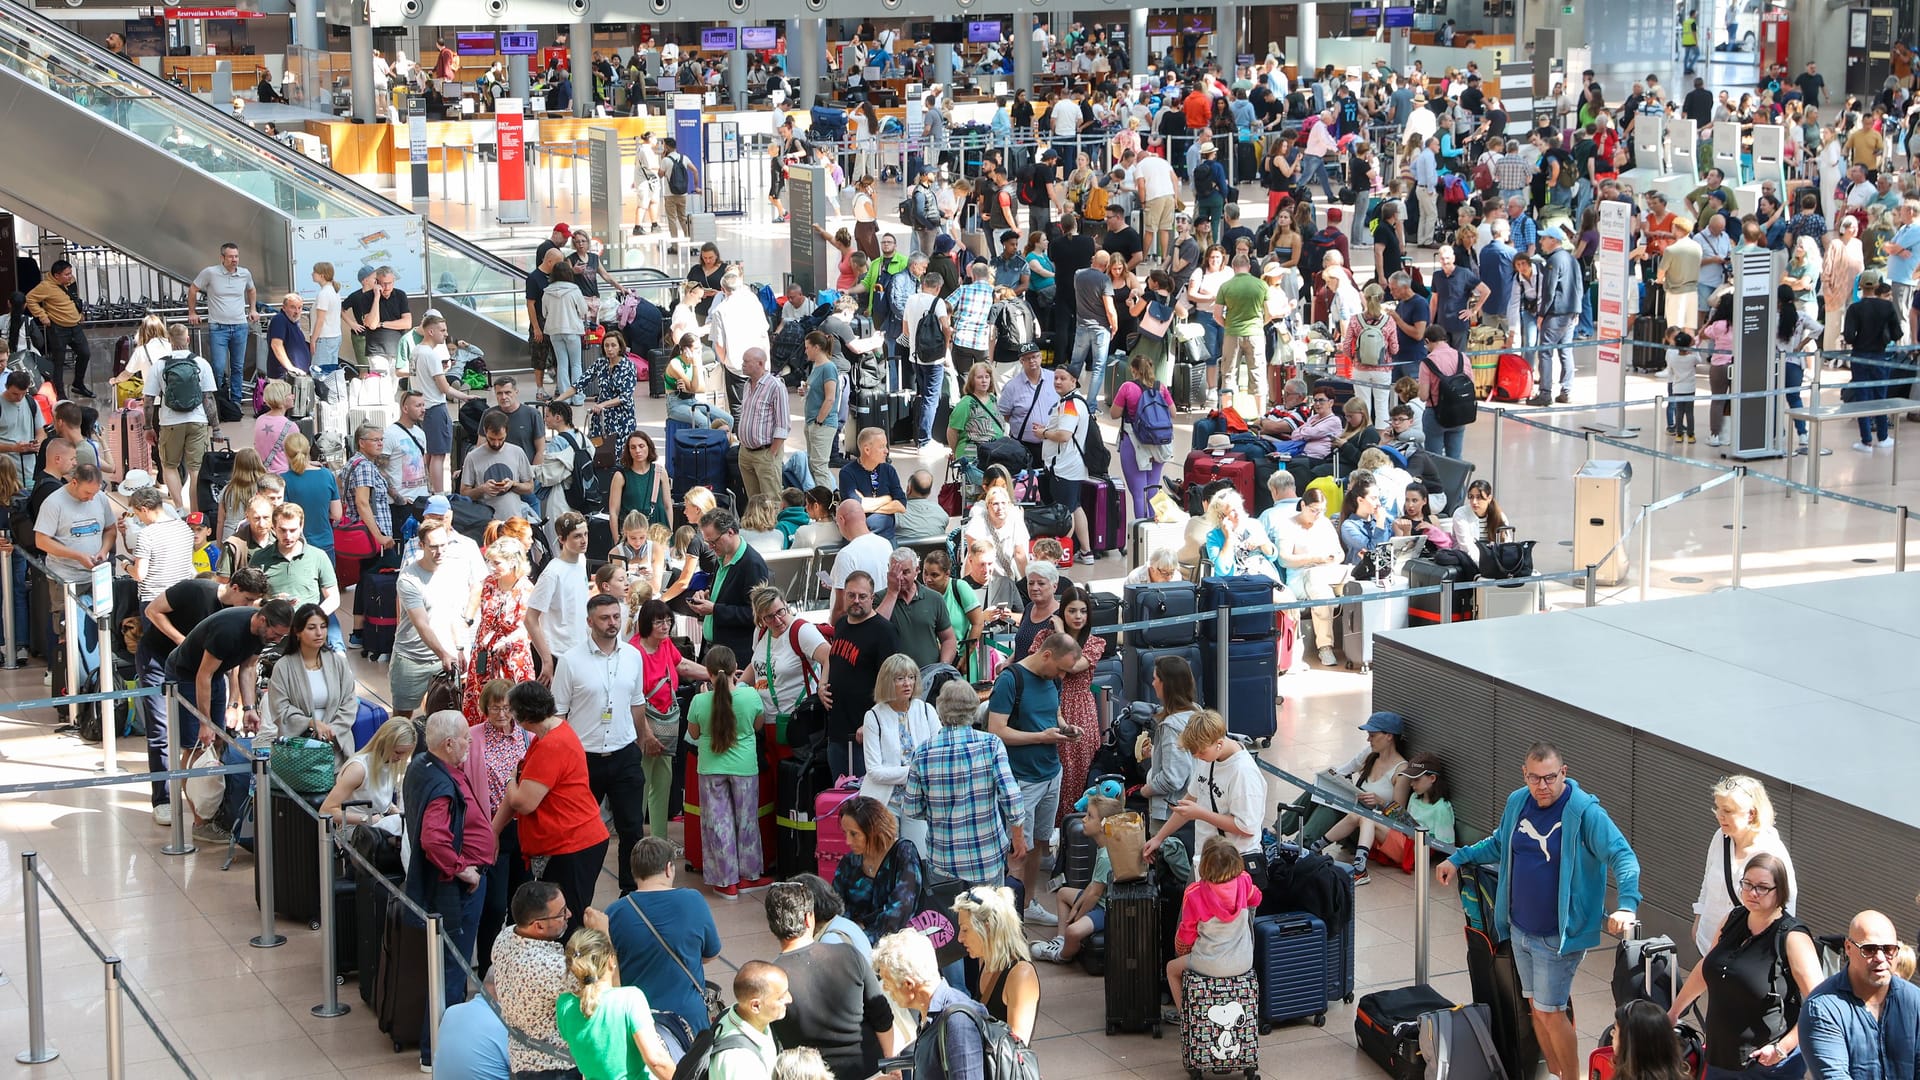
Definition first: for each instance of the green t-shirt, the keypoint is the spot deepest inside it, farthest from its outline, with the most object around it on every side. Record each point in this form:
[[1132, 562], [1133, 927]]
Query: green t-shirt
[[963, 414], [743, 759], [1245, 299], [602, 1044], [1103, 875], [303, 577], [961, 599]]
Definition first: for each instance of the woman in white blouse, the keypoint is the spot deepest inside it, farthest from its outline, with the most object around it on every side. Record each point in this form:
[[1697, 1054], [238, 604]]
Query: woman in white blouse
[[1310, 551], [1478, 520], [1745, 816], [999, 528], [313, 691], [898, 723], [783, 674]]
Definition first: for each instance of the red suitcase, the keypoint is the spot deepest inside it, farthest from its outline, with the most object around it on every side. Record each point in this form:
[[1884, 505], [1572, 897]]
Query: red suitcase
[[830, 841], [1204, 468], [1105, 504]]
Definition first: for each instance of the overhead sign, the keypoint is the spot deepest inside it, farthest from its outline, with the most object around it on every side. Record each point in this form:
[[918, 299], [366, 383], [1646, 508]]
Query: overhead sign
[[510, 138], [211, 13], [396, 240]]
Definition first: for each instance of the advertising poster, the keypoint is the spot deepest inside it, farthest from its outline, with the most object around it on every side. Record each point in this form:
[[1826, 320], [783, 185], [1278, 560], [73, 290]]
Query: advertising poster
[[399, 241], [1612, 314], [510, 135]]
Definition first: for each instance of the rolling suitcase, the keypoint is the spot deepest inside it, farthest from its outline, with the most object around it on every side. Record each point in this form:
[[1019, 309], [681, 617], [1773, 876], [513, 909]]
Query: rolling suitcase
[[401, 997], [1106, 505], [1149, 536], [1103, 611], [1496, 984], [829, 840], [657, 361], [1138, 664], [1135, 968], [1645, 968], [1077, 853], [1341, 973], [1425, 610], [380, 611], [296, 859], [1500, 601], [1252, 671], [1645, 354], [1361, 618], [802, 778], [1241, 593], [1459, 1041], [1387, 1025], [1190, 387], [125, 442], [1290, 957], [1203, 468], [1220, 1027], [1154, 602], [369, 930], [698, 459]]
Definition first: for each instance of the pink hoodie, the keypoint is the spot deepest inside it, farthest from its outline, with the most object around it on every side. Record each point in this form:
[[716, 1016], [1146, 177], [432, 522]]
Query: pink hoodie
[[1205, 900]]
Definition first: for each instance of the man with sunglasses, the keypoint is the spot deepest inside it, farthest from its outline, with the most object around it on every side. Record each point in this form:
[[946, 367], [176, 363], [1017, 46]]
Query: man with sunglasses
[[1863, 1022], [1554, 849]]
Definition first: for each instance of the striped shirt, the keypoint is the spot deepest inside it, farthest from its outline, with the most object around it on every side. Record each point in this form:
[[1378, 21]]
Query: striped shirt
[[763, 413], [971, 305], [960, 784], [166, 547]]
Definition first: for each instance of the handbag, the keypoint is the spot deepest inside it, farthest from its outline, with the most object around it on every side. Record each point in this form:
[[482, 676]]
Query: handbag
[[709, 990], [1157, 320], [808, 720], [305, 765], [1048, 519], [204, 793], [1506, 559], [443, 694], [664, 725], [353, 541], [379, 848]]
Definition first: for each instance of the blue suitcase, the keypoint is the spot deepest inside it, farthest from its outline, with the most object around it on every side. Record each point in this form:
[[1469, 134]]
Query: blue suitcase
[[1290, 957], [1237, 592], [1138, 663], [1253, 671]]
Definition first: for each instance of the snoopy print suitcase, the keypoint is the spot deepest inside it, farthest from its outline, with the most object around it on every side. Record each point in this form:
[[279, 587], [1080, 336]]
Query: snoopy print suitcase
[[1220, 1027]]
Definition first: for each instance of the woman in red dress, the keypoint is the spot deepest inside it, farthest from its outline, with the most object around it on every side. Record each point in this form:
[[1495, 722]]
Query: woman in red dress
[[1076, 698], [500, 646]]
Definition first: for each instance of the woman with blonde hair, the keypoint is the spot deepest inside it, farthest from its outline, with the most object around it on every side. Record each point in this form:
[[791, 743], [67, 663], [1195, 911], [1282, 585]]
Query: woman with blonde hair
[[1744, 815], [371, 781], [759, 526], [607, 1026], [501, 649], [1371, 339], [313, 490], [241, 487], [273, 428], [150, 350], [1007, 984], [899, 721]]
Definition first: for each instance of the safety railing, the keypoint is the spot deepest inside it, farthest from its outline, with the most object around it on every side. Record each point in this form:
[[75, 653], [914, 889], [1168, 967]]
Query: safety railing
[[118, 991]]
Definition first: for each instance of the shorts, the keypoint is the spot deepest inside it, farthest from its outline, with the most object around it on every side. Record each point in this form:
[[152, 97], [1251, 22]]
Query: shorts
[[438, 424], [1039, 805], [1158, 216], [184, 446], [1546, 974], [1098, 917], [408, 680], [1063, 492]]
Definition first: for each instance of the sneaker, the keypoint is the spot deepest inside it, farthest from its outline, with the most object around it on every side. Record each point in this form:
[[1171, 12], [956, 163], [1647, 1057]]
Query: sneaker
[[728, 892], [1716, 440], [1563, 398], [639, 230], [1050, 950], [1360, 875], [163, 815], [1037, 914], [754, 884], [1085, 558], [1677, 436], [1539, 400], [1170, 1016], [1863, 447], [1327, 659], [212, 832], [1886, 443], [1691, 440], [353, 640]]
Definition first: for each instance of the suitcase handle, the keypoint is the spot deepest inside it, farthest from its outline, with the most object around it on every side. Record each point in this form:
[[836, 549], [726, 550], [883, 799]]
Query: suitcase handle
[[1290, 925]]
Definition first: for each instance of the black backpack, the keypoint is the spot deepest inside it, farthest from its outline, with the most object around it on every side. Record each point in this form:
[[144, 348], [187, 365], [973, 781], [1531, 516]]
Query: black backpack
[[1093, 447], [1031, 193], [929, 340], [1003, 1056], [584, 490], [698, 1062], [1455, 404], [1206, 178], [678, 182], [20, 523]]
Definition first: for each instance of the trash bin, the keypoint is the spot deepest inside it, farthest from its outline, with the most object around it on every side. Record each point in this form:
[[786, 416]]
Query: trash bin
[[1599, 518]]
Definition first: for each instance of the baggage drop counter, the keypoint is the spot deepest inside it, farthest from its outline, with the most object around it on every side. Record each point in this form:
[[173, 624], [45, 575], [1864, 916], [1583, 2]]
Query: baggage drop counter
[[1810, 688]]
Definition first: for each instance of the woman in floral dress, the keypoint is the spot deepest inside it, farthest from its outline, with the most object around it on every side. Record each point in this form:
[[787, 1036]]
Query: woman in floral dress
[[1076, 697], [616, 374], [500, 646]]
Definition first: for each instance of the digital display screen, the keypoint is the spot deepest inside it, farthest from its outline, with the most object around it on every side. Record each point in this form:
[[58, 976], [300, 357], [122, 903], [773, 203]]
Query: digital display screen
[[476, 44], [983, 31], [1364, 18], [519, 42], [1399, 16], [759, 37], [719, 39]]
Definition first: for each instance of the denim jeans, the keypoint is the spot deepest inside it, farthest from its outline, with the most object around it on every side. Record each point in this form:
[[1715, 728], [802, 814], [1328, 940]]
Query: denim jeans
[[1555, 332], [566, 359], [233, 803], [1867, 368], [927, 382], [1445, 441], [1090, 344], [1315, 167], [1796, 375], [1546, 973], [228, 344]]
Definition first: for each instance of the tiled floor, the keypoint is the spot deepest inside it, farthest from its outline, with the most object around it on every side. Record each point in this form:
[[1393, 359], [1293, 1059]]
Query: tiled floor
[[182, 924]]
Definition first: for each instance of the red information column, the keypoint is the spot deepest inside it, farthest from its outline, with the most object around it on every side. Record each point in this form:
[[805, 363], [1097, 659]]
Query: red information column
[[510, 137]]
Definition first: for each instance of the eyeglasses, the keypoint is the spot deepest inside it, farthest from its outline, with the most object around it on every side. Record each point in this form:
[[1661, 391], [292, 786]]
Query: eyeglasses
[[1322, 401], [1870, 951], [1755, 887], [1543, 779], [564, 912]]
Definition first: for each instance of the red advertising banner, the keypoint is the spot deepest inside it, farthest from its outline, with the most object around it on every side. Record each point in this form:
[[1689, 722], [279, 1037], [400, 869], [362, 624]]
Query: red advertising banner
[[510, 134], [211, 13]]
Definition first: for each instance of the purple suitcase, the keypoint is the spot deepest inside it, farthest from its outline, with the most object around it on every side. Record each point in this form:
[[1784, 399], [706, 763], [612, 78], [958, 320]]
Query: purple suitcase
[[1105, 504]]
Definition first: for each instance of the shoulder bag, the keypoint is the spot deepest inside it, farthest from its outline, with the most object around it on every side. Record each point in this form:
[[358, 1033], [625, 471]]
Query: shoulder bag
[[665, 725], [1156, 321], [708, 989], [807, 720], [305, 765]]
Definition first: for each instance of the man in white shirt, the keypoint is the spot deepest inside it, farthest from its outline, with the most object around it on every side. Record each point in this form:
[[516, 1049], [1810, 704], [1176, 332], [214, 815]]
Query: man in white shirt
[[442, 398], [557, 610], [738, 323], [433, 634], [865, 550], [1063, 439], [406, 447], [597, 688], [185, 434], [1159, 190], [1226, 795]]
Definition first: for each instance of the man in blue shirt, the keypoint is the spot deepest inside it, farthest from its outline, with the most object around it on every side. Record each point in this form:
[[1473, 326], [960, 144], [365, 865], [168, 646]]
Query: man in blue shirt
[[1454, 289], [1903, 254], [1024, 713], [1496, 279], [662, 933], [473, 1042], [1411, 314], [1863, 1023], [1554, 848]]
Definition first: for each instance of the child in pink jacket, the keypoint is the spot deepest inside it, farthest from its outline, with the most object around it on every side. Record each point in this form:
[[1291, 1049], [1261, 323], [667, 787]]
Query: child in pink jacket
[[1216, 919]]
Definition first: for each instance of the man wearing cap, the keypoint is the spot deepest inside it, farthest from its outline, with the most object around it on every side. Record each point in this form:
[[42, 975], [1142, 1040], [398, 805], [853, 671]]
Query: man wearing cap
[[460, 555], [556, 241], [1561, 291]]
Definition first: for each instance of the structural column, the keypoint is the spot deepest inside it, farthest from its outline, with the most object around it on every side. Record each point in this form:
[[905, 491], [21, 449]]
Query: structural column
[[518, 84], [943, 65], [812, 49], [366, 108], [306, 24], [580, 61], [1226, 38], [1023, 66], [1137, 38], [1309, 58], [737, 73]]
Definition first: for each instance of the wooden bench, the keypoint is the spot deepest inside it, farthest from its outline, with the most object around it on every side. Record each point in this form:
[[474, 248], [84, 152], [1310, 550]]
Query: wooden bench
[[1819, 415]]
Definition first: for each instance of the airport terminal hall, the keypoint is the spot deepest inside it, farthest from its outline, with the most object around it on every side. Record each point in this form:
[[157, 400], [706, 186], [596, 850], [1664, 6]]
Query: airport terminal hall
[[995, 540]]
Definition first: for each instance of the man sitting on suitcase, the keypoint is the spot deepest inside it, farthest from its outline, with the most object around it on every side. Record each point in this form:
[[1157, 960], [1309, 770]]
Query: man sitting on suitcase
[[1551, 892]]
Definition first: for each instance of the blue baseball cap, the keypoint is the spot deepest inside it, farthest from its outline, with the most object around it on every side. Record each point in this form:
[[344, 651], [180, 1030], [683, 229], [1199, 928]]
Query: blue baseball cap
[[1390, 722], [439, 504]]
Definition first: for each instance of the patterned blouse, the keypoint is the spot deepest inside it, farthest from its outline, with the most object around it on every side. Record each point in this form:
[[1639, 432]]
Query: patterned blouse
[[363, 473], [886, 901], [617, 384]]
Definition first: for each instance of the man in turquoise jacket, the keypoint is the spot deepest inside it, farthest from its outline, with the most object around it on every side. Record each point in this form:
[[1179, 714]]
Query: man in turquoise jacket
[[1552, 894]]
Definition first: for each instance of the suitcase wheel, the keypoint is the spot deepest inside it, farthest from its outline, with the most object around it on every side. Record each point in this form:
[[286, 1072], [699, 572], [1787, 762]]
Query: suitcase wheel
[[1348, 999], [1156, 1029], [314, 925], [1320, 1020], [1361, 668], [1112, 1029]]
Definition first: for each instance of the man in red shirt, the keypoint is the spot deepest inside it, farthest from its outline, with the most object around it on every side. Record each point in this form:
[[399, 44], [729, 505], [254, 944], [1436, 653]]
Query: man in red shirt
[[446, 65]]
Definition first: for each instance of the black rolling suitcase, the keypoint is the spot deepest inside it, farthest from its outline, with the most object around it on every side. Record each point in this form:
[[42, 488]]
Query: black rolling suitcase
[[1135, 966], [1190, 387], [1424, 609], [802, 778], [296, 859], [369, 931], [1387, 1024], [657, 361], [1648, 357], [400, 999], [380, 612]]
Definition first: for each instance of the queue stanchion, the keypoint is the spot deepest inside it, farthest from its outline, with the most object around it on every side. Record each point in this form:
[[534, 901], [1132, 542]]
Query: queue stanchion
[[1739, 516], [1223, 671], [1646, 547], [330, 1005], [1422, 898], [436, 979], [102, 614], [269, 937], [1446, 600], [70, 609], [1659, 422], [116, 1026], [180, 843], [6, 608], [37, 1051], [1593, 583], [1493, 470], [1900, 542]]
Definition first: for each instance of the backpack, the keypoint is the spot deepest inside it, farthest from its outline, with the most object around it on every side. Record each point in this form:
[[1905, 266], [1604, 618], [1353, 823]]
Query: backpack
[[180, 383], [1030, 191], [584, 491], [1206, 179], [1371, 347], [1003, 1057], [1152, 418], [698, 1062], [1453, 190], [1483, 176], [1455, 404], [926, 212], [1313, 258], [20, 523], [929, 341], [678, 182], [1093, 444], [1568, 179]]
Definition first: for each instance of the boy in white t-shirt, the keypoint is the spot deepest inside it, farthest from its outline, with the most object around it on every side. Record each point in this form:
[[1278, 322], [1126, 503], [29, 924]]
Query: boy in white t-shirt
[[1225, 797], [1062, 448]]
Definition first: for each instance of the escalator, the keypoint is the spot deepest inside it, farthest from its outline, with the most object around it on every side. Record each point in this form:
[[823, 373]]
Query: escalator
[[97, 146]]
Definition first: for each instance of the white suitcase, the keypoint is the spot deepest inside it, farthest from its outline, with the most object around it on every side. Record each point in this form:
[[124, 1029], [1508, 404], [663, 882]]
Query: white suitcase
[[1360, 619], [1499, 601], [378, 415]]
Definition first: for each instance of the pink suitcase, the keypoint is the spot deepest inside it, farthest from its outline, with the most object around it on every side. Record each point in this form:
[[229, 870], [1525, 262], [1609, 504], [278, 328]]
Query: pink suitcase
[[124, 440], [829, 842]]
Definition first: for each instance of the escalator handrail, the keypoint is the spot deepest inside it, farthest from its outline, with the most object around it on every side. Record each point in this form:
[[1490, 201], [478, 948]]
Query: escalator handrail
[[287, 157]]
